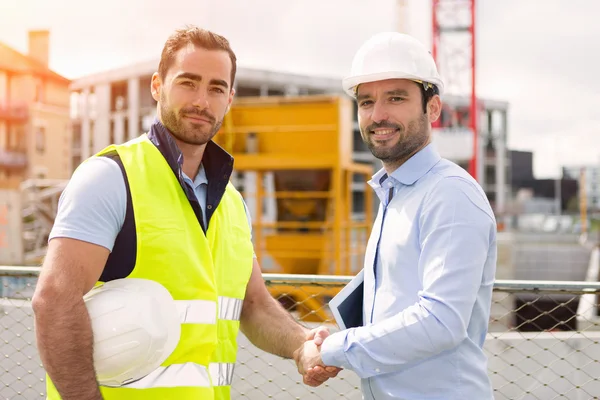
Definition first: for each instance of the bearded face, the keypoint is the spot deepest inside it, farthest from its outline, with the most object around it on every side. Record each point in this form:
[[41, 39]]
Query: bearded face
[[195, 94], [391, 119]]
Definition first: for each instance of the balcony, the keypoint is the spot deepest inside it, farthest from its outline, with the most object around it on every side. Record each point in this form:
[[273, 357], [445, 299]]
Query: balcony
[[76, 148], [14, 112], [13, 159]]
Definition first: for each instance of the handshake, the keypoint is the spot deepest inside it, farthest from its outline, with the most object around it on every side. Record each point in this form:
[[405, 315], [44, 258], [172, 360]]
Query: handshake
[[308, 359]]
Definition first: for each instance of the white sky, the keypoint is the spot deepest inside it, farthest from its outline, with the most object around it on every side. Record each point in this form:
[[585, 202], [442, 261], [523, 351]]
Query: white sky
[[541, 56]]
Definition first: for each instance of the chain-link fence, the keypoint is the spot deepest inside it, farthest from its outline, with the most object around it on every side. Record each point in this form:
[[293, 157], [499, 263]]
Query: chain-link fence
[[543, 341]]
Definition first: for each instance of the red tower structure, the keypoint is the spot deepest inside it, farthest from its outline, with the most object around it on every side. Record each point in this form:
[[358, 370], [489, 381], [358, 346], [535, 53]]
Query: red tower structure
[[454, 52]]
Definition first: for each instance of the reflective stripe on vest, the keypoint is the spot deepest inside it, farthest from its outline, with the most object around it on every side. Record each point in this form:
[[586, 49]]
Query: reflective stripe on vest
[[230, 308], [221, 373], [188, 374], [205, 312]]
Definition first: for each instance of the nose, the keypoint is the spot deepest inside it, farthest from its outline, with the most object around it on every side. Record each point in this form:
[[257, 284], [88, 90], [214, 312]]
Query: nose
[[201, 99], [379, 112]]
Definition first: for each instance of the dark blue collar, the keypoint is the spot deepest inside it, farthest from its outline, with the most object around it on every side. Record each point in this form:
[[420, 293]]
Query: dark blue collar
[[217, 162]]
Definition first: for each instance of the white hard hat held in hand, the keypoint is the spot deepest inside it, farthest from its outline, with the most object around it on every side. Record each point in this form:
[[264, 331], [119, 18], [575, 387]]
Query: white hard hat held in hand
[[136, 326], [392, 55]]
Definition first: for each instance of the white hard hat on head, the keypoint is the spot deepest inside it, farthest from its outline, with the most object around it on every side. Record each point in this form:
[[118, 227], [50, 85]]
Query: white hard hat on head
[[392, 55], [136, 326]]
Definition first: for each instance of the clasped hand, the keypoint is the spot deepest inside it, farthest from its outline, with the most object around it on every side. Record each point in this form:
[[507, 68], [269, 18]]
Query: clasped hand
[[308, 359]]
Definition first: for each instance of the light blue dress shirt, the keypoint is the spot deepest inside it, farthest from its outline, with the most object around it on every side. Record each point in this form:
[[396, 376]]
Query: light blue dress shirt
[[429, 273]]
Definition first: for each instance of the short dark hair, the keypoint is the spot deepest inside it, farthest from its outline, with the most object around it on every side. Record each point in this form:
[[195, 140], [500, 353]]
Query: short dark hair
[[202, 38], [427, 94]]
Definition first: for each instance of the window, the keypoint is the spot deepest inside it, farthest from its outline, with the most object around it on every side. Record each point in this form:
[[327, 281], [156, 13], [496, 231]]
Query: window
[[40, 139], [21, 138], [118, 96], [111, 132], [126, 129], [39, 91]]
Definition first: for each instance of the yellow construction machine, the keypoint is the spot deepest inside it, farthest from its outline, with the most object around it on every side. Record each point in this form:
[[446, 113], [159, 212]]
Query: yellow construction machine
[[294, 166]]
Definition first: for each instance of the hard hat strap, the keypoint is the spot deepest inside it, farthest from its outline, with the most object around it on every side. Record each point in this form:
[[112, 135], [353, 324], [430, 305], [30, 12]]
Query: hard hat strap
[[426, 86]]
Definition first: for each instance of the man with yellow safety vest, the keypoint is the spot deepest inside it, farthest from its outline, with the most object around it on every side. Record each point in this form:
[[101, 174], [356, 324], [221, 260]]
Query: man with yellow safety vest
[[160, 207]]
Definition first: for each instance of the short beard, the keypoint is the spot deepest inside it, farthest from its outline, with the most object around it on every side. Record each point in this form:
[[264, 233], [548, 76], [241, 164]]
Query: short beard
[[415, 137], [194, 135]]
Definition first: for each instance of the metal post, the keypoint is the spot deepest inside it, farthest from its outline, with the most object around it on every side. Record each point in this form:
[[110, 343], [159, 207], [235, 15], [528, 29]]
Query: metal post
[[454, 42], [338, 212], [582, 202], [474, 109]]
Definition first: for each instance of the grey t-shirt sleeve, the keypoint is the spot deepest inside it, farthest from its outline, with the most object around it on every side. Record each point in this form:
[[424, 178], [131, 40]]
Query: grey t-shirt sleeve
[[92, 207]]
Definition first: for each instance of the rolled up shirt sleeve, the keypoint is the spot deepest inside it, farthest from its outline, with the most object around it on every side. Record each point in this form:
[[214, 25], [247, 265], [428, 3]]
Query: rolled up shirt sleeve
[[455, 230], [93, 205]]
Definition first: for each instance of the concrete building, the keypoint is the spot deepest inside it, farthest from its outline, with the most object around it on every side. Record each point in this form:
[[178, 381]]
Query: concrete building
[[115, 106], [455, 142], [35, 134], [592, 182]]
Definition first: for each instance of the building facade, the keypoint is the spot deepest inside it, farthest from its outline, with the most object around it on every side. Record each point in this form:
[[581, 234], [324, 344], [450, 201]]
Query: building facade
[[591, 180], [455, 141], [35, 134]]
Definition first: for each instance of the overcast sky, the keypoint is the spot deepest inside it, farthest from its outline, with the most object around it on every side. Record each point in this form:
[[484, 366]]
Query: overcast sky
[[541, 56]]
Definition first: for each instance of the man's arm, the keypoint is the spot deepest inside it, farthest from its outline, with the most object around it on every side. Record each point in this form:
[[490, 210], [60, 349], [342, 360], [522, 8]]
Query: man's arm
[[259, 312], [284, 337], [62, 325], [455, 230], [90, 214]]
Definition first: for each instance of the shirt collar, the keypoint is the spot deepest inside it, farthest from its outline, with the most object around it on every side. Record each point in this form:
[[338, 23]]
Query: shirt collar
[[378, 179], [216, 161], [200, 179], [412, 170]]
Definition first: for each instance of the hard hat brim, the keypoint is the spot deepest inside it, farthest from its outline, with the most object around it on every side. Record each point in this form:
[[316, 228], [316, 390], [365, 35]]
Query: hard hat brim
[[349, 84]]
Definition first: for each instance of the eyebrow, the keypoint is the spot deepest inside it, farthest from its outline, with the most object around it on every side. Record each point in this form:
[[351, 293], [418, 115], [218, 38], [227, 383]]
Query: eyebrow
[[394, 92], [198, 78], [397, 92], [362, 97]]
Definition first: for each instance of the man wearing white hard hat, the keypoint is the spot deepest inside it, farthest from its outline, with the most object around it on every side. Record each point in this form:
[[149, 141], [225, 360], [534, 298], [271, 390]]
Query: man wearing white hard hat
[[431, 258]]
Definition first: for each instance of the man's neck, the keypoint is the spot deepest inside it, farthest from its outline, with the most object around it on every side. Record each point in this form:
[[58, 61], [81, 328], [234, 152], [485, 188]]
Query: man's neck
[[192, 157]]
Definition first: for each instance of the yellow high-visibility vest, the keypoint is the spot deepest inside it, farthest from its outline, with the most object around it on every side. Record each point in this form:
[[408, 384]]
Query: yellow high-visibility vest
[[206, 274]]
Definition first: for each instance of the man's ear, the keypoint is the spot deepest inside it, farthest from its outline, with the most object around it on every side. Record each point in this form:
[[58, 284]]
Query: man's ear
[[156, 86], [231, 94], [434, 108]]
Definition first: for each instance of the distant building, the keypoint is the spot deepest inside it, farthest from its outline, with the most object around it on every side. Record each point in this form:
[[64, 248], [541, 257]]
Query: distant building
[[545, 195], [35, 139], [522, 166], [592, 182], [455, 141]]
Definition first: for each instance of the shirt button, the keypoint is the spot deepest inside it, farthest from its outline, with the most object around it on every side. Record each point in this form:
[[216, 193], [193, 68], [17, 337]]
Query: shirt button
[[209, 207], [377, 370]]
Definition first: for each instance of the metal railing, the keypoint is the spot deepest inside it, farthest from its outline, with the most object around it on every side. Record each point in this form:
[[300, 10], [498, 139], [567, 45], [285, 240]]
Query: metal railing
[[543, 341]]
